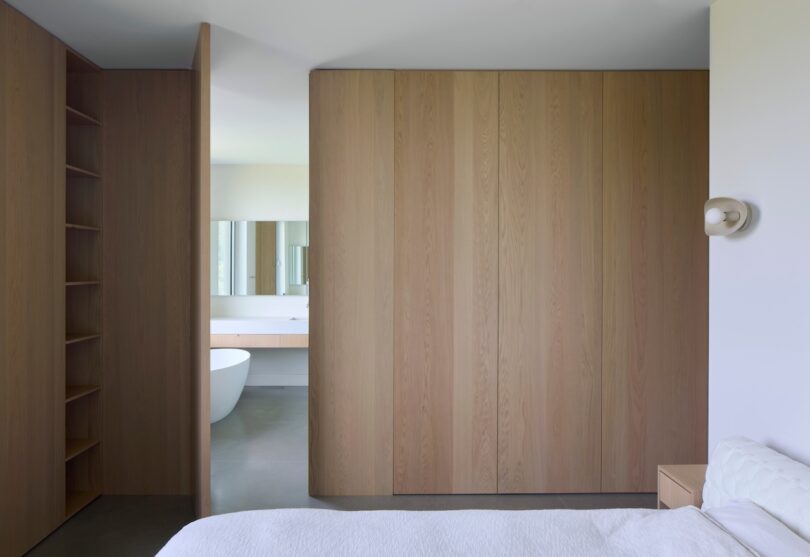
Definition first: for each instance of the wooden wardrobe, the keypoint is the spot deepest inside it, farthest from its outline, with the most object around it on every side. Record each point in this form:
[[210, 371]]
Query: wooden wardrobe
[[97, 368], [509, 280]]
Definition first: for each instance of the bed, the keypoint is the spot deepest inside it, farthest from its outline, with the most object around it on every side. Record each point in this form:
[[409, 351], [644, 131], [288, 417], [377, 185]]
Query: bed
[[756, 503]]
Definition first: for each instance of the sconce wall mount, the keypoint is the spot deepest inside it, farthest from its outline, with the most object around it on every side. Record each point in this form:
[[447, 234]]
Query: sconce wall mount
[[724, 216]]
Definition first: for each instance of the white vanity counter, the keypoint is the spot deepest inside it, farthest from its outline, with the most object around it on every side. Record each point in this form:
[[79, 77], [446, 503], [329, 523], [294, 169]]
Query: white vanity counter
[[259, 332], [259, 325]]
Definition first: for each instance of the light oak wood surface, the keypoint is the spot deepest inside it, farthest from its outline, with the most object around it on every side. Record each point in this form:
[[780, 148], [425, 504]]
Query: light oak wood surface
[[259, 341], [680, 485], [32, 328], [266, 258], [351, 277], [201, 266], [550, 282], [656, 275], [147, 394], [446, 282]]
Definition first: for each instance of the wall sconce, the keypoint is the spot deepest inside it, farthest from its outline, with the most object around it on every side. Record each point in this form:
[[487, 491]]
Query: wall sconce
[[724, 216]]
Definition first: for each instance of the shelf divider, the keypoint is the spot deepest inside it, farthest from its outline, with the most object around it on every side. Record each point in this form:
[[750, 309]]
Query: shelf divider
[[78, 118], [87, 228], [75, 447], [74, 171], [72, 338], [75, 392]]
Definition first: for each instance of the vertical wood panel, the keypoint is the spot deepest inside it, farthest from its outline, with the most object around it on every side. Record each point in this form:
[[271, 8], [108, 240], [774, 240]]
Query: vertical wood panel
[[201, 269], [32, 158], [147, 293], [550, 282], [656, 275], [351, 264], [266, 258], [446, 275]]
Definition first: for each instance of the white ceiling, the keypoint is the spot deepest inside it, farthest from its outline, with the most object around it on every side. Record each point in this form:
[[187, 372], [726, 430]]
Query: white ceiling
[[264, 49]]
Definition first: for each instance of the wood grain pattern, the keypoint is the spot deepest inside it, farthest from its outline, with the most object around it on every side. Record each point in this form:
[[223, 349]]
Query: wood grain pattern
[[656, 275], [147, 295], [32, 335], [266, 258], [550, 282], [680, 485], [201, 263], [445, 285], [351, 277], [259, 341]]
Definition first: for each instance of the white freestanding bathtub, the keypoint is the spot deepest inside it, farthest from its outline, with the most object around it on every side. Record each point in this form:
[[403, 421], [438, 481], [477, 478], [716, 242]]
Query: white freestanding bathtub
[[229, 371]]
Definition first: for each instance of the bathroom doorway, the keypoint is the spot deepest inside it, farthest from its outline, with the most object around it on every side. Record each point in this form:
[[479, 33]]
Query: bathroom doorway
[[259, 276]]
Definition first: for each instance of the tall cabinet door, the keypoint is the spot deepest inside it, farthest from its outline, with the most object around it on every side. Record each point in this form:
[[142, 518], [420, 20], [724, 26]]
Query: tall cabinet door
[[550, 282], [656, 277], [351, 268], [445, 282], [32, 282]]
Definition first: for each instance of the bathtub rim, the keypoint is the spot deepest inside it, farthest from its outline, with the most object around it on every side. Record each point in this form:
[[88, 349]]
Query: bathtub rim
[[227, 358]]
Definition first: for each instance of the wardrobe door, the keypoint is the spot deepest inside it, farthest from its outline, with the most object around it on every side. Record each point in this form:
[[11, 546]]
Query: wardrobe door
[[351, 268], [32, 282], [656, 279], [445, 282], [550, 282]]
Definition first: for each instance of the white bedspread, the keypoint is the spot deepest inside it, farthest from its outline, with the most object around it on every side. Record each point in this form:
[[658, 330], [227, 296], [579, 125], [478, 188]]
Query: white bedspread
[[684, 532]]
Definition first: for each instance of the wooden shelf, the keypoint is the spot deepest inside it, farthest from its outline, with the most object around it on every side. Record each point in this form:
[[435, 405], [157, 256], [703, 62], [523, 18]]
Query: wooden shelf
[[75, 392], [75, 447], [79, 118], [76, 172], [83, 276], [77, 500], [80, 337], [83, 283], [71, 226]]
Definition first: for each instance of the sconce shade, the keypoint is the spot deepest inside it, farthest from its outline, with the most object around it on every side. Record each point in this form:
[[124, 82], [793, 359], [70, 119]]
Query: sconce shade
[[724, 216]]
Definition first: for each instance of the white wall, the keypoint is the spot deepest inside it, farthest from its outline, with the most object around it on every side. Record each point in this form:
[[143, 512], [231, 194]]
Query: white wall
[[759, 287], [260, 192]]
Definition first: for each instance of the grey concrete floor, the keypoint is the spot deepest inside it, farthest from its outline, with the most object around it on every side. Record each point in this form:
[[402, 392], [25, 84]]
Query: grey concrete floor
[[119, 526], [259, 461]]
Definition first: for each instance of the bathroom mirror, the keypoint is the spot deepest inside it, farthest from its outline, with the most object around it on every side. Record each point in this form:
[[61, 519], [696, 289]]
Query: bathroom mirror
[[259, 258]]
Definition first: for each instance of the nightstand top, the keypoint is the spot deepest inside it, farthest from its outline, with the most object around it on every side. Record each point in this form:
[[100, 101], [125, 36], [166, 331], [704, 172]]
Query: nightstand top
[[689, 476]]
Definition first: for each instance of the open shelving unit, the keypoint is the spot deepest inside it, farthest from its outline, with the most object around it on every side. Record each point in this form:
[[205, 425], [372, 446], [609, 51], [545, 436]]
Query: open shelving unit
[[83, 283]]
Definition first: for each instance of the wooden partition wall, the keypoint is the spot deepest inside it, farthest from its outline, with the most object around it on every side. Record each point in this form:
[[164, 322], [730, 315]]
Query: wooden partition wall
[[201, 262], [545, 326], [147, 289]]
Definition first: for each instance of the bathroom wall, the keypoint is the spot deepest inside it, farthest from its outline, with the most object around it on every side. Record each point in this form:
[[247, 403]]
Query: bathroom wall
[[259, 192], [264, 193]]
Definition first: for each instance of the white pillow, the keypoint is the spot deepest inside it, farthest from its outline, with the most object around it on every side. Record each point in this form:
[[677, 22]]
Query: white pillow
[[740, 469], [758, 530]]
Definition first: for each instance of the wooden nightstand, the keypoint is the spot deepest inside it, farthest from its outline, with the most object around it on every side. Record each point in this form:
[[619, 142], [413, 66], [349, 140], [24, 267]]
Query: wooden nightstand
[[680, 485]]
